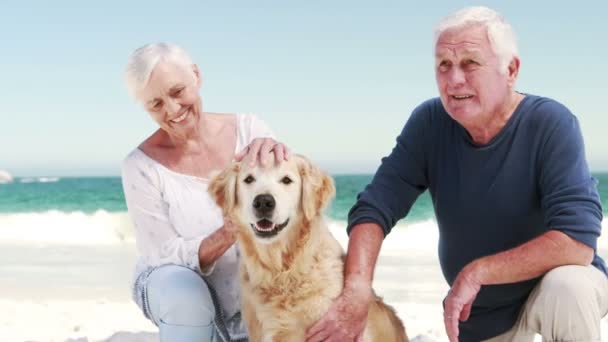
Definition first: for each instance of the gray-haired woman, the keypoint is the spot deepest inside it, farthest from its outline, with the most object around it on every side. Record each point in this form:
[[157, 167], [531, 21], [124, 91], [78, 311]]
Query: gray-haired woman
[[186, 276]]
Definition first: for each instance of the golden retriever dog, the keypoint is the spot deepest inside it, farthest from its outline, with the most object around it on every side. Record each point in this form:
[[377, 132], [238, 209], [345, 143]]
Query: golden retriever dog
[[291, 265]]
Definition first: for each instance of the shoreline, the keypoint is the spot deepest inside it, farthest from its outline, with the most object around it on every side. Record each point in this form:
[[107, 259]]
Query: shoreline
[[81, 293]]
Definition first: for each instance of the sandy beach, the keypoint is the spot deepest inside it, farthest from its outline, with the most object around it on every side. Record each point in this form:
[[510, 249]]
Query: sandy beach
[[52, 291]]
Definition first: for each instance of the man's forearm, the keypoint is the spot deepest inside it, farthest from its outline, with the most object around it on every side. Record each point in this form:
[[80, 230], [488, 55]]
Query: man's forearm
[[363, 248], [530, 260]]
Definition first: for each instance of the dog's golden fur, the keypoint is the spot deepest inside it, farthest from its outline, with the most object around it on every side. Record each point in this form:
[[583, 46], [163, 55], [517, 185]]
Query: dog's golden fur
[[289, 282]]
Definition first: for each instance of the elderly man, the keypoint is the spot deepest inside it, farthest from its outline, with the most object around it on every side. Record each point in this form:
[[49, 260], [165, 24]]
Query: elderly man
[[517, 209]]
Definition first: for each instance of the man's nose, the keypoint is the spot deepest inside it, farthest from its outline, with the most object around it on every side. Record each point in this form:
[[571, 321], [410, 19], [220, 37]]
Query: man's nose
[[456, 77]]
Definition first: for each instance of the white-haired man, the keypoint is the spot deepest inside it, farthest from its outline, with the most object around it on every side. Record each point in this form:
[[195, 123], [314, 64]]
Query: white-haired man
[[517, 209]]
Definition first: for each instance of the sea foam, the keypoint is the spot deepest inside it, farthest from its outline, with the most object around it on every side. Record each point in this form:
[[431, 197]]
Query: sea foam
[[56, 227], [105, 228]]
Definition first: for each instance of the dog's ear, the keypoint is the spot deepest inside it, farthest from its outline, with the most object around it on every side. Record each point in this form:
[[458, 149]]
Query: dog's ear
[[317, 188], [222, 188]]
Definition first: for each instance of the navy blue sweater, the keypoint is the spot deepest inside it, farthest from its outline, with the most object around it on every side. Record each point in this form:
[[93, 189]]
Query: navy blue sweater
[[531, 178]]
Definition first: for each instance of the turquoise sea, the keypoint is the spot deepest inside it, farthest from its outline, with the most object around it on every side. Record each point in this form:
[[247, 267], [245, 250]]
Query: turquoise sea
[[88, 195], [72, 238]]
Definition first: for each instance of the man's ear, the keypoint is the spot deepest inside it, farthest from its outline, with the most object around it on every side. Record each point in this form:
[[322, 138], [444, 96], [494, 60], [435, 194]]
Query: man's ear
[[317, 188], [222, 188], [513, 71]]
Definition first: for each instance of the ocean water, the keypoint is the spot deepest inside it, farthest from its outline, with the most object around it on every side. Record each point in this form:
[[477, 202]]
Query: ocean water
[[92, 210], [88, 195], [67, 258]]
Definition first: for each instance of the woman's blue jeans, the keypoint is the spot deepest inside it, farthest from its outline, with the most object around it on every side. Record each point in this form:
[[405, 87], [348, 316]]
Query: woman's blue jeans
[[180, 305]]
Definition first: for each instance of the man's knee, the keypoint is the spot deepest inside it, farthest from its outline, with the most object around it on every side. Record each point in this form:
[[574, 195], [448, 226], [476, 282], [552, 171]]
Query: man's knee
[[564, 305], [566, 288], [182, 297], [563, 297], [567, 284]]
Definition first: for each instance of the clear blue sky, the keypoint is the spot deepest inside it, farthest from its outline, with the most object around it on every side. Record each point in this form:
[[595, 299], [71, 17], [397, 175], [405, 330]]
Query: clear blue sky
[[336, 80]]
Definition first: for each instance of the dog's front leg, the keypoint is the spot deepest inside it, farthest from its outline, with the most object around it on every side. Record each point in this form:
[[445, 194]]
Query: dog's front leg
[[254, 327], [288, 336]]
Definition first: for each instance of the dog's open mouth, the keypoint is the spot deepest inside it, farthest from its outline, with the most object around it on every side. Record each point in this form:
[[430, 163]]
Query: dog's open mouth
[[266, 228]]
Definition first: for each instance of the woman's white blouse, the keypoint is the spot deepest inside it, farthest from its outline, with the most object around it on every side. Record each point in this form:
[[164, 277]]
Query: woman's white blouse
[[172, 212]]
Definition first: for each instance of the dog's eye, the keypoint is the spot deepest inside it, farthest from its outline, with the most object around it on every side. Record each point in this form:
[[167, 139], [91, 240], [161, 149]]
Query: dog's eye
[[286, 180], [249, 179]]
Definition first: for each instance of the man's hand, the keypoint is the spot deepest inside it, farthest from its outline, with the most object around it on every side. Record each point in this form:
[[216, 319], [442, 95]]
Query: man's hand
[[346, 318], [459, 301], [260, 150]]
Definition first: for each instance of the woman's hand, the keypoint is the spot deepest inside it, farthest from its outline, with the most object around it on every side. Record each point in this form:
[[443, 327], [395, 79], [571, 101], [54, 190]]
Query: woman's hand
[[215, 245], [261, 150], [230, 229]]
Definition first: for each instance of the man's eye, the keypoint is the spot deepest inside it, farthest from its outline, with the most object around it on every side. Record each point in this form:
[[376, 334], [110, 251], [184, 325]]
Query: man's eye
[[286, 180], [178, 92], [249, 179], [444, 65], [157, 105]]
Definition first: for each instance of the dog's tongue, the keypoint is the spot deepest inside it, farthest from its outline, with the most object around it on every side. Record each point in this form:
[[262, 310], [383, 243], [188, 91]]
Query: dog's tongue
[[264, 224]]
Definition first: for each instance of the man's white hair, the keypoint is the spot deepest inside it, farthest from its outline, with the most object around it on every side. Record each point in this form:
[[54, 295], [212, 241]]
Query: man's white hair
[[143, 60], [500, 33]]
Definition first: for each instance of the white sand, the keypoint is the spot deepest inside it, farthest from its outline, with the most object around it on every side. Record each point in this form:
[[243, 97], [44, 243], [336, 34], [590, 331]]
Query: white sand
[[54, 292]]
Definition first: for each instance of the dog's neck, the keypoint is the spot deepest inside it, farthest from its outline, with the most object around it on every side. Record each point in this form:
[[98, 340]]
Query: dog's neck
[[279, 256]]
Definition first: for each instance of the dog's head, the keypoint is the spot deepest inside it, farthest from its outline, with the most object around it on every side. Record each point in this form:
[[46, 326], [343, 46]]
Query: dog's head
[[268, 201]]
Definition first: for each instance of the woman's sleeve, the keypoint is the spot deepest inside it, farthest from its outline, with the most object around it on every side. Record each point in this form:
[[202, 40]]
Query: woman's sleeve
[[257, 128], [156, 239]]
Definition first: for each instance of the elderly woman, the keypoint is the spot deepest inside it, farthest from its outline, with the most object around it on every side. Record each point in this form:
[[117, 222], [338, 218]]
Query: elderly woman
[[186, 276]]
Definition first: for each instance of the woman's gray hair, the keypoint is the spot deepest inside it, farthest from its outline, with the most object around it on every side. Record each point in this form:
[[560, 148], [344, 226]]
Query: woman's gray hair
[[143, 60], [500, 33]]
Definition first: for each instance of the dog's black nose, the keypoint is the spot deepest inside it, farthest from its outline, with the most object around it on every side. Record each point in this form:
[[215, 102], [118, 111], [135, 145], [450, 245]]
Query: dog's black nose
[[263, 204]]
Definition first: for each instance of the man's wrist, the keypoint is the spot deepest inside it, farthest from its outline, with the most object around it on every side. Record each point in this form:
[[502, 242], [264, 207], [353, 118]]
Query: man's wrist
[[476, 272], [358, 286]]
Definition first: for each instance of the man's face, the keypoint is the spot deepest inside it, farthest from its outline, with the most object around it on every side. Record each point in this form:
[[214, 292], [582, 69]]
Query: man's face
[[471, 83]]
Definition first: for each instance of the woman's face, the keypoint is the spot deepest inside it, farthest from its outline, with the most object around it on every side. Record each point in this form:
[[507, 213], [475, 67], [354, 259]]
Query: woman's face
[[172, 97]]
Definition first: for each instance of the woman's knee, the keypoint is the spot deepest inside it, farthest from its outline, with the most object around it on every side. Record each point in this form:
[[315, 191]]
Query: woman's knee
[[179, 296]]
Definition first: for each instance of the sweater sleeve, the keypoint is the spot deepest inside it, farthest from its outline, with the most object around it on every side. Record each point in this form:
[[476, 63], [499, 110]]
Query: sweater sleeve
[[257, 129], [569, 195], [156, 239], [400, 179]]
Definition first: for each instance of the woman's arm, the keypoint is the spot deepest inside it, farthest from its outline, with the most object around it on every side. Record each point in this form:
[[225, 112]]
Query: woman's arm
[[215, 245], [156, 238]]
